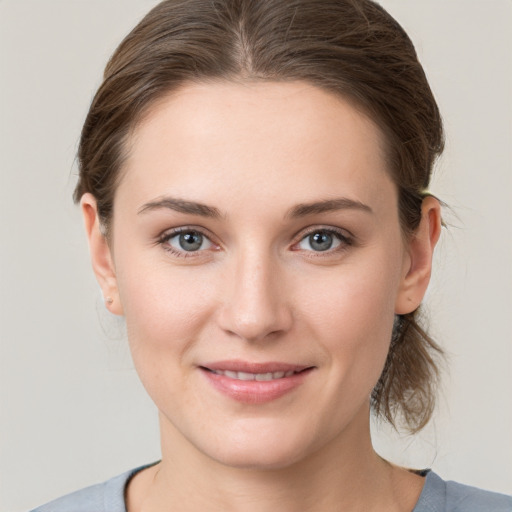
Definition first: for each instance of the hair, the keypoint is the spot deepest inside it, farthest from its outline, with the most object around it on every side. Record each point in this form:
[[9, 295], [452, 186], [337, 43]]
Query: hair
[[352, 48]]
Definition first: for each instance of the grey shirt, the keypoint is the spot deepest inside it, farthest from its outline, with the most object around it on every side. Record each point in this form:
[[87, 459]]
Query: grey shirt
[[437, 496]]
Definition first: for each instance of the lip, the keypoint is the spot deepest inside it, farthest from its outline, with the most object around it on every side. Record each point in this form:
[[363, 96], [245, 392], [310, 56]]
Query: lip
[[236, 365], [255, 391]]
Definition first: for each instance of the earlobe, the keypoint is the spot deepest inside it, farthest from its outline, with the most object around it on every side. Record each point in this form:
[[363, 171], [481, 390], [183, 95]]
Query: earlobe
[[418, 268], [101, 255]]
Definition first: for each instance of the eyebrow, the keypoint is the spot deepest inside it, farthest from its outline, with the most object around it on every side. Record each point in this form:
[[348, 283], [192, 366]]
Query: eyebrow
[[329, 205], [300, 210], [182, 206]]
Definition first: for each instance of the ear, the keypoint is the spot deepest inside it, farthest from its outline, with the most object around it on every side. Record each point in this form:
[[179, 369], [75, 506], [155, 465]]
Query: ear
[[418, 265], [101, 255]]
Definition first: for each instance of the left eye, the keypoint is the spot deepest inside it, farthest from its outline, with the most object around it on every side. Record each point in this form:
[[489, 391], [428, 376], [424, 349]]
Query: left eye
[[320, 241], [189, 241]]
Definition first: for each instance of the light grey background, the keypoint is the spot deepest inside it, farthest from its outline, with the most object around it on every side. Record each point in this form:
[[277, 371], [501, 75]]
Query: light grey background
[[71, 409]]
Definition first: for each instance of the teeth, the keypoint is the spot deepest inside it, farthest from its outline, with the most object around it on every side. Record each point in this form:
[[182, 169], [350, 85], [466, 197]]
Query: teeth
[[254, 376], [263, 376]]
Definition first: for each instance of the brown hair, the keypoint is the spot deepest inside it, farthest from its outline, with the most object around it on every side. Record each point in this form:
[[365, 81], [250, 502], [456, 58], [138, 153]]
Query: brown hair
[[353, 48]]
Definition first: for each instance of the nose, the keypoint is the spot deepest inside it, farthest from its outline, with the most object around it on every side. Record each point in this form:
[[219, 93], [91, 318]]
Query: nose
[[254, 305]]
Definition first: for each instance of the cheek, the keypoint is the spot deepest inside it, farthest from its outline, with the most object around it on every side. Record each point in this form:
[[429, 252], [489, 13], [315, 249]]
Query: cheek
[[164, 307], [353, 300], [351, 314], [166, 312]]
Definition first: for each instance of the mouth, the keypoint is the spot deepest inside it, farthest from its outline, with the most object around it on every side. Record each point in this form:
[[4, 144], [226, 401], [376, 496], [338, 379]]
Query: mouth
[[255, 376], [255, 383]]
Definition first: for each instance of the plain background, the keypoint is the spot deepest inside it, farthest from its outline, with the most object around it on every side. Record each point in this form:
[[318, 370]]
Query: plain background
[[72, 412]]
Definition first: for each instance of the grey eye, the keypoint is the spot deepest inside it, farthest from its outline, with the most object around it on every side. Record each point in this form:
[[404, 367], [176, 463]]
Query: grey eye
[[320, 241], [189, 241]]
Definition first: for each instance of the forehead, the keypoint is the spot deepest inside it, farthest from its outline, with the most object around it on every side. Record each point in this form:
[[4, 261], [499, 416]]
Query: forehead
[[205, 138]]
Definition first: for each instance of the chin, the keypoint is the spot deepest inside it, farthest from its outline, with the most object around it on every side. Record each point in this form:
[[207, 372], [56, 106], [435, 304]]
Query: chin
[[261, 448], [258, 459]]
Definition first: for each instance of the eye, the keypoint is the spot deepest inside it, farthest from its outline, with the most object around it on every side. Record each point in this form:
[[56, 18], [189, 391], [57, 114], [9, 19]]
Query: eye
[[322, 240], [186, 241]]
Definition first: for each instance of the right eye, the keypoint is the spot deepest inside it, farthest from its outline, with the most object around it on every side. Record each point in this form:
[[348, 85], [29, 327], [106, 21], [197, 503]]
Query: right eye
[[183, 241]]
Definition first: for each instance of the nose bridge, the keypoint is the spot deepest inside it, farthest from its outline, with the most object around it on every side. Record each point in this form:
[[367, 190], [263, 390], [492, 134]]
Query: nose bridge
[[254, 305]]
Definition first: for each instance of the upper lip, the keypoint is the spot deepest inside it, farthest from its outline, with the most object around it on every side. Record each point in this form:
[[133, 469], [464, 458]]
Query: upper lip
[[250, 367]]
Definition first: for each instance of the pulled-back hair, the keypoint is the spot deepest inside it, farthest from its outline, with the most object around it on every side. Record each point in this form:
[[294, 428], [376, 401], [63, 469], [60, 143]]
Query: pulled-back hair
[[352, 48]]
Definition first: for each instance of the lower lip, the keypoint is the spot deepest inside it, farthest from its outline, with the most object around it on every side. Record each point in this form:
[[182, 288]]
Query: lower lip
[[254, 391]]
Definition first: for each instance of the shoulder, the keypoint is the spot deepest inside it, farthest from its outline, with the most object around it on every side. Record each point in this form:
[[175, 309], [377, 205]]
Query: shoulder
[[441, 496], [468, 499], [104, 497]]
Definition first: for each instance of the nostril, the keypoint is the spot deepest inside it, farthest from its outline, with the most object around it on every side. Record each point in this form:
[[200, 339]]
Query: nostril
[[252, 307]]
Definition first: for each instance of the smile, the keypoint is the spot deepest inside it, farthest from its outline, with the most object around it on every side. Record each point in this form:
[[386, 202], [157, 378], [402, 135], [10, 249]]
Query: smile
[[255, 383], [255, 376]]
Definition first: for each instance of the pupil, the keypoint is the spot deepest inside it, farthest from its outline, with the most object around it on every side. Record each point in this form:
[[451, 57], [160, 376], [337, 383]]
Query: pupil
[[321, 241], [191, 241]]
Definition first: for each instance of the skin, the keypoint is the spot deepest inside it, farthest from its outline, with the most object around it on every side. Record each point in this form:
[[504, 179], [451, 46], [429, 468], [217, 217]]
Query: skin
[[259, 290]]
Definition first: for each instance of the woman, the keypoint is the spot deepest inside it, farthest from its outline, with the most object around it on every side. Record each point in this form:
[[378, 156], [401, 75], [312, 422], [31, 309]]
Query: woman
[[253, 180]]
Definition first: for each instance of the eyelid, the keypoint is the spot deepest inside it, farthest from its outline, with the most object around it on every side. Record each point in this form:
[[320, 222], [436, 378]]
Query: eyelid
[[346, 238], [166, 235]]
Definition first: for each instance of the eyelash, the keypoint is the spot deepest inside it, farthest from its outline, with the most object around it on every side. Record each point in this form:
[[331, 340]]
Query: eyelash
[[346, 240], [341, 235], [164, 239]]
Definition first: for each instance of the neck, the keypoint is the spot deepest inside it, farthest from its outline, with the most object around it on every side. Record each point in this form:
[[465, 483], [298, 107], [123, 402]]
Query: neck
[[344, 474]]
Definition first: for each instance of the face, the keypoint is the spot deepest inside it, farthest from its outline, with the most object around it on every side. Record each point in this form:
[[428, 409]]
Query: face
[[259, 262]]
